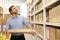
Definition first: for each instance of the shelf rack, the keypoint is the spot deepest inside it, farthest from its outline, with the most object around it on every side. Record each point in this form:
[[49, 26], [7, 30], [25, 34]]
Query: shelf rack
[[47, 5]]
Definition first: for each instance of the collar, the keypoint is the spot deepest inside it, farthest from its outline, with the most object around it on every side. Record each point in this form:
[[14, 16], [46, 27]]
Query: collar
[[14, 18]]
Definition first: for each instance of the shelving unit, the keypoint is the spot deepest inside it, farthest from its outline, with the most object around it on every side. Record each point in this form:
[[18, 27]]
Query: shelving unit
[[47, 17], [1, 19], [53, 24], [34, 3]]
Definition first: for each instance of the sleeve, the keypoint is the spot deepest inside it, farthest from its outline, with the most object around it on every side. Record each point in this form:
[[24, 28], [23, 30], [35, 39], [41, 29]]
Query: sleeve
[[25, 21], [7, 25]]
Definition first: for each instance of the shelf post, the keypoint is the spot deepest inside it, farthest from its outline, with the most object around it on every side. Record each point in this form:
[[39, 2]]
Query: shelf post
[[44, 20]]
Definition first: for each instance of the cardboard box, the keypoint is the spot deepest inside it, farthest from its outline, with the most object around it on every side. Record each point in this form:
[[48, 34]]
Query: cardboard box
[[40, 5], [54, 14], [57, 34], [1, 10], [40, 30], [40, 17], [32, 19], [36, 27], [37, 18], [1, 19], [52, 33]]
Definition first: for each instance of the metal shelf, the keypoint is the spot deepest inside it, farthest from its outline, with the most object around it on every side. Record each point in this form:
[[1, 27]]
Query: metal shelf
[[48, 23], [45, 7], [37, 23], [52, 4], [34, 4], [53, 24], [37, 11]]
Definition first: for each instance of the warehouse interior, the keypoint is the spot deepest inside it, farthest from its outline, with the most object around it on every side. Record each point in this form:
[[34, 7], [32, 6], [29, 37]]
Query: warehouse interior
[[44, 15]]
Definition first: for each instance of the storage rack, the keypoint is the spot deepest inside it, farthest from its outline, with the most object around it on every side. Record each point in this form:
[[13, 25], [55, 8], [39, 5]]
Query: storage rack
[[44, 13]]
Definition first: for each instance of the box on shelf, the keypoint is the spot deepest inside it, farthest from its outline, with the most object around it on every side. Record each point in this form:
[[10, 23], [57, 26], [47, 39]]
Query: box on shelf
[[40, 30], [1, 10], [32, 19], [40, 5], [40, 17], [32, 25], [28, 18], [57, 34], [54, 14], [1, 19], [37, 18], [6, 16], [36, 27], [51, 33], [54, 33]]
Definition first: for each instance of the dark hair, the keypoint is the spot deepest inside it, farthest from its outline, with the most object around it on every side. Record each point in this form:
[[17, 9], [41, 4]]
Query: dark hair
[[10, 9]]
